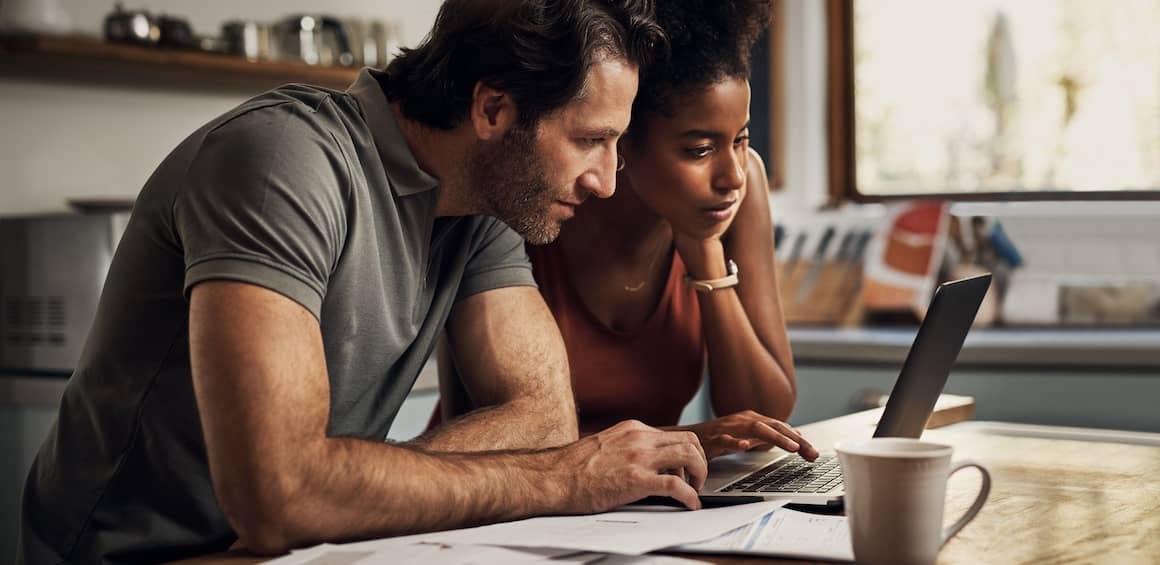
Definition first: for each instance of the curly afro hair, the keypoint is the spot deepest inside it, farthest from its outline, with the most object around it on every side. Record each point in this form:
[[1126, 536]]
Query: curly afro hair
[[709, 41]]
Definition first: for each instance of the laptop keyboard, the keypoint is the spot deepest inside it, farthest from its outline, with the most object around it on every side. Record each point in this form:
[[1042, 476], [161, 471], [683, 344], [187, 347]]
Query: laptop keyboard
[[792, 475]]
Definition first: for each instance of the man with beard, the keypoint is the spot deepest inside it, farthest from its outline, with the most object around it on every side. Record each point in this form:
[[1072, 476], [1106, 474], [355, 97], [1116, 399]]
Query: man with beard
[[286, 272]]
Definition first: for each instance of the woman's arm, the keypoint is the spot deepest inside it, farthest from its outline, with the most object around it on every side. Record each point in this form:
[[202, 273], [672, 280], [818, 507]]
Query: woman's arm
[[750, 363], [751, 377]]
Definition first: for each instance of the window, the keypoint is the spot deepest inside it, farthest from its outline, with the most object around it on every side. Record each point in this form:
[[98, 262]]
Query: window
[[994, 99]]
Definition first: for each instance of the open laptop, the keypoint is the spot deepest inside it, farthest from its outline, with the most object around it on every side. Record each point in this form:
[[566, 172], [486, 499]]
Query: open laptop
[[775, 474]]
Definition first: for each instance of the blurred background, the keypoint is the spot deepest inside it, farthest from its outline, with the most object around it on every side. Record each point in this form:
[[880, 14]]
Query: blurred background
[[909, 142]]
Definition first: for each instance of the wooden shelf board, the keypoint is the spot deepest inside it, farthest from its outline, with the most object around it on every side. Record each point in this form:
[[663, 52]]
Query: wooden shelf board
[[62, 55]]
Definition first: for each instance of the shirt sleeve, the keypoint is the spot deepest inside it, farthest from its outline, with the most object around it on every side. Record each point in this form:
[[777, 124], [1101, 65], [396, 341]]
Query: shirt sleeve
[[498, 260], [264, 204]]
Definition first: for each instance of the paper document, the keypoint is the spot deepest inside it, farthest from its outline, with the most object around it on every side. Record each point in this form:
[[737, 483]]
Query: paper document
[[423, 553], [585, 558], [420, 554], [627, 531], [785, 533]]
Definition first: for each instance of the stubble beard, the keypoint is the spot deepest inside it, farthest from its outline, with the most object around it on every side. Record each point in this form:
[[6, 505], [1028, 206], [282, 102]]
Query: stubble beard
[[509, 174]]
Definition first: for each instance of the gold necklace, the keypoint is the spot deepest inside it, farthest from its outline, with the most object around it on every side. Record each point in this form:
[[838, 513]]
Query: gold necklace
[[656, 255]]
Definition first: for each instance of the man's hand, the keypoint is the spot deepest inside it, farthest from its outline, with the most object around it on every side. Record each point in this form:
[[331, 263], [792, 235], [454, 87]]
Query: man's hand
[[747, 431], [631, 461]]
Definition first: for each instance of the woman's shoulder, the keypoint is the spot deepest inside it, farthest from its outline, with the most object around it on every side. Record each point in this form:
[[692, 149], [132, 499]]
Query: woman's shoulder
[[757, 188], [756, 174], [753, 217]]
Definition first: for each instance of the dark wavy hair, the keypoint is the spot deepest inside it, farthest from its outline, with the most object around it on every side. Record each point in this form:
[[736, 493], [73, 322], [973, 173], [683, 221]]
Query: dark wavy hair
[[537, 51], [708, 41]]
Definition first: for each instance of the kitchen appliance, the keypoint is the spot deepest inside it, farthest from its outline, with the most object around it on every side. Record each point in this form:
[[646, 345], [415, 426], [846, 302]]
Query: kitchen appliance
[[52, 269]]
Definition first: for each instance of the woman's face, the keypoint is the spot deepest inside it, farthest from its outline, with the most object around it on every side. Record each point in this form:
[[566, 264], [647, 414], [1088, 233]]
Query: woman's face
[[690, 167]]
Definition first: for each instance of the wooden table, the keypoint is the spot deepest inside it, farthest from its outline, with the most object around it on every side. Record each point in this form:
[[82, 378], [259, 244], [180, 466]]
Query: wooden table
[[1052, 501]]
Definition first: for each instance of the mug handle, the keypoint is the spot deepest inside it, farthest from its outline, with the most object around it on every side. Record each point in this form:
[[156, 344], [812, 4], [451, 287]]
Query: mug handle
[[976, 506]]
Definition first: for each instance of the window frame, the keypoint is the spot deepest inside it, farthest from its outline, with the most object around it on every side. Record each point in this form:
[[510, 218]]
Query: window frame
[[770, 64]]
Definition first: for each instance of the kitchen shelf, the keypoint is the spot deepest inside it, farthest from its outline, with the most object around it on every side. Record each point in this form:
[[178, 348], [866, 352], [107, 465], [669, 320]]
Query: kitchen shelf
[[82, 58]]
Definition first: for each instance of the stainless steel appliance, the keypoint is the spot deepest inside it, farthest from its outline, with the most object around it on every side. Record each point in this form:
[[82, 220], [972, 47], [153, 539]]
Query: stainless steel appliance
[[52, 269]]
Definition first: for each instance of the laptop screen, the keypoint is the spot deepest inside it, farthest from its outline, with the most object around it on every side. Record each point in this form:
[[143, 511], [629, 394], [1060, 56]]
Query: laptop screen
[[928, 364]]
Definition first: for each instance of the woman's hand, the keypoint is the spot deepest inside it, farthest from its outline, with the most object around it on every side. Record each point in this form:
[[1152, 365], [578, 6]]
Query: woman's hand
[[704, 257], [703, 253], [746, 431]]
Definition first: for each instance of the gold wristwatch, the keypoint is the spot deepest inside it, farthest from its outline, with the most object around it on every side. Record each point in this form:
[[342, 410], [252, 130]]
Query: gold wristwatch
[[709, 285]]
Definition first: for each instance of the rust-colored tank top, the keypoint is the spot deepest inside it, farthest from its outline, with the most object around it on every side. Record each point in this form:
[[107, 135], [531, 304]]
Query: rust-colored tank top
[[649, 376]]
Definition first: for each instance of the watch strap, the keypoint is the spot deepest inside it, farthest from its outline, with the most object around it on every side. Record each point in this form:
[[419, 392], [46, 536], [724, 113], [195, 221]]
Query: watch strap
[[709, 285]]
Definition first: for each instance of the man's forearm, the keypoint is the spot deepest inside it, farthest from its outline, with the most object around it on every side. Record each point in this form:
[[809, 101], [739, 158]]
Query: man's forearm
[[521, 424], [347, 489]]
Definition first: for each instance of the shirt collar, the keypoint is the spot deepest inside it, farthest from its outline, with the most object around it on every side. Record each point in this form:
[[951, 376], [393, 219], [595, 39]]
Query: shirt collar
[[398, 161]]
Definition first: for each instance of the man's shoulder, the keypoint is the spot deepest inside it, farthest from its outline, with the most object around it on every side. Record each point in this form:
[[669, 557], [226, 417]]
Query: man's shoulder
[[486, 226], [487, 236], [292, 127], [308, 112]]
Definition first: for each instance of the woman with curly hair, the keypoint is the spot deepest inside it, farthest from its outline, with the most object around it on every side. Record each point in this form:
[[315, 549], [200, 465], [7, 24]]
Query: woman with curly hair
[[675, 271]]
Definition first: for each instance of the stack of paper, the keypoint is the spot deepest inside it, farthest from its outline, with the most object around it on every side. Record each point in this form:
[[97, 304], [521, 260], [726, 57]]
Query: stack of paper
[[421, 553], [613, 538], [628, 531], [785, 533]]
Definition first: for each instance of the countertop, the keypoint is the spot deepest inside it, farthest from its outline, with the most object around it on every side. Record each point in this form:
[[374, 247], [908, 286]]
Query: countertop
[[1015, 347], [1026, 347]]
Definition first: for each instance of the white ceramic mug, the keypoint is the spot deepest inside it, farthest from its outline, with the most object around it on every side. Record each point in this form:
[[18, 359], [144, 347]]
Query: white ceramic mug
[[895, 491]]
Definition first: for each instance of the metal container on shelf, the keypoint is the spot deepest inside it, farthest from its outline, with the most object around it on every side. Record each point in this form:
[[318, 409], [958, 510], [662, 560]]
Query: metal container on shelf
[[376, 41], [314, 40], [137, 27], [249, 39]]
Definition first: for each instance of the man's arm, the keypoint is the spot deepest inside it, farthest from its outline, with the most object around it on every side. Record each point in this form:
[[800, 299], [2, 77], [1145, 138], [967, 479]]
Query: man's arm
[[259, 375], [506, 349]]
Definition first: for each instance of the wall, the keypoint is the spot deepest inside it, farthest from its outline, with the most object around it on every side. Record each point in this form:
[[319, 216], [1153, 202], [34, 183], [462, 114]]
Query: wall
[[63, 139]]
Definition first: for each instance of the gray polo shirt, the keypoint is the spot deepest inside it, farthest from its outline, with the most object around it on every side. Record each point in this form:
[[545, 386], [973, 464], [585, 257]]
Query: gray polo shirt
[[308, 192]]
